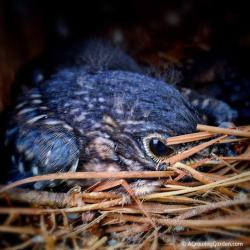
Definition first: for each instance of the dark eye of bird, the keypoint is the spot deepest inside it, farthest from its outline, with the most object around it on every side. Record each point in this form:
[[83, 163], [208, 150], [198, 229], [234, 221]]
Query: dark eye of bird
[[158, 148]]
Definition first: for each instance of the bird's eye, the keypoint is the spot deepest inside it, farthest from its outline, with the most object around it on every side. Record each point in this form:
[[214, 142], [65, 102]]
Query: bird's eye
[[155, 147], [158, 148]]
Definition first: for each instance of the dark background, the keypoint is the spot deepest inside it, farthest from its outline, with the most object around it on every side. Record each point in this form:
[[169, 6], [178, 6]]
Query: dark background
[[206, 42]]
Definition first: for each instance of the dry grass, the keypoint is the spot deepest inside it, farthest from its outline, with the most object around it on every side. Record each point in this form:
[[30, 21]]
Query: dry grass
[[210, 206]]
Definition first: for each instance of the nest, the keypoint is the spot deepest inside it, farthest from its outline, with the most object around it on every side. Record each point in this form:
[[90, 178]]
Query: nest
[[193, 208]]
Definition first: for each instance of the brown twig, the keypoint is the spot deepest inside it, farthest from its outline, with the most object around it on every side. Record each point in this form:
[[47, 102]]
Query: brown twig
[[19, 230], [226, 131], [44, 198], [84, 208], [188, 138], [192, 151], [207, 208], [90, 175], [225, 222]]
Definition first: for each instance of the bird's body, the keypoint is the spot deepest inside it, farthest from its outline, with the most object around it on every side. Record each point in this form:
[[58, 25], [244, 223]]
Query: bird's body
[[100, 114]]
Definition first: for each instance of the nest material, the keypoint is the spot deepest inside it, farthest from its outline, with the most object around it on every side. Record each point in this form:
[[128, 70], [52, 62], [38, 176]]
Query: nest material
[[191, 207]]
